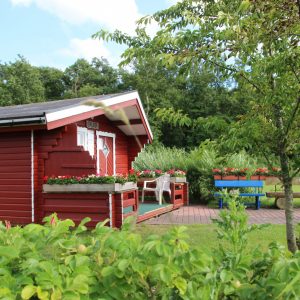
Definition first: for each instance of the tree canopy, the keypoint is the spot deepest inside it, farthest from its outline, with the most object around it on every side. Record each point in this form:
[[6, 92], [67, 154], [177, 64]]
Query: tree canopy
[[255, 43], [20, 83]]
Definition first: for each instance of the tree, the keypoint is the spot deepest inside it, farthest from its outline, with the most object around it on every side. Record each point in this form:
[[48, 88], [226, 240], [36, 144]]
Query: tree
[[95, 78], [252, 41], [20, 83], [165, 90], [53, 81]]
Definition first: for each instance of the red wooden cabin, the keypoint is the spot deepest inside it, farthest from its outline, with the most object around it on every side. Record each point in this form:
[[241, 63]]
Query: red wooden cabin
[[68, 137]]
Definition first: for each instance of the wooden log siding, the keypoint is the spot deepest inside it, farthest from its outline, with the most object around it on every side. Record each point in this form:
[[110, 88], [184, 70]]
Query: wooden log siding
[[135, 145], [77, 206], [45, 141], [15, 177]]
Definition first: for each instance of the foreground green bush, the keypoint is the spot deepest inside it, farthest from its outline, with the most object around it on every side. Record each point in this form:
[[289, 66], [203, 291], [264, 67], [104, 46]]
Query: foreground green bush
[[55, 262]]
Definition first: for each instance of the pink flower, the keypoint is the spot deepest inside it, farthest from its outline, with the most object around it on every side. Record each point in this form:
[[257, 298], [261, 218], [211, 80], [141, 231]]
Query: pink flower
[[52, 221], [7, 225], [132, 171]]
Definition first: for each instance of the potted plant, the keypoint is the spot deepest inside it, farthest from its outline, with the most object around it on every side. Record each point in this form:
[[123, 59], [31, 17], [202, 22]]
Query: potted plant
[[230, 174], [241, 173], [177, 175], [217, 173], [260, 174], [146, 175]]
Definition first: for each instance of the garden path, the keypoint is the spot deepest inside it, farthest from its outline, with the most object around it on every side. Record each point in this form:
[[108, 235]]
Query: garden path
[[203, 214]]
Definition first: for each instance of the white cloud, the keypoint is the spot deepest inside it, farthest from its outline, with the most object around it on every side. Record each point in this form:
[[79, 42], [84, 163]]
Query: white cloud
[[21, 2], [113, 14], [85, 48], [169, 2]]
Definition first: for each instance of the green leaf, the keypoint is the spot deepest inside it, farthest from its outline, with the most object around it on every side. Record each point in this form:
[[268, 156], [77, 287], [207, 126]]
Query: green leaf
[[123, 264], [28, 291], [43, 295], [181, 285], [80, 284], [9, 252], [56, 295], [107, 271], [225, 276], [165, 274], [71, 295], [245, 4]]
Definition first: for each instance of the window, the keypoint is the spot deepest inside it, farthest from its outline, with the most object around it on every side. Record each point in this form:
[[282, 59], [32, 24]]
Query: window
[[90, 142], [85, 138]]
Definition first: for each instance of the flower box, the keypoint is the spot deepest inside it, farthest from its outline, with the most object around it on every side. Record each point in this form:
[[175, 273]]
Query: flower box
[[88, 188], [178, 179], [229, 177], [217, 177]]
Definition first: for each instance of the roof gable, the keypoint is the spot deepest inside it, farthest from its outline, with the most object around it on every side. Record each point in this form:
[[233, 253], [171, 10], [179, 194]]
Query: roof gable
[[55, 114]]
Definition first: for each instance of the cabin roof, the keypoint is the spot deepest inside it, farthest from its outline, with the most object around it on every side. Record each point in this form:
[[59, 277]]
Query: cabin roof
[[130, 118]]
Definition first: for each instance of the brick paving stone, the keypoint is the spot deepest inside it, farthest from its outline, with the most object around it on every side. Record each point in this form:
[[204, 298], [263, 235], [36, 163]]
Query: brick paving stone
[[203, 215]]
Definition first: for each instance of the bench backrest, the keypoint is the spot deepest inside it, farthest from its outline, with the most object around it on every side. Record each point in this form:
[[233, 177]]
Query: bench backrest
[[239, 183]]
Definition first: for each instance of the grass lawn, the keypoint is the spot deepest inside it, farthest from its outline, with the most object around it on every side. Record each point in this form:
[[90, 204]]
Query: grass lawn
[[205, 237]]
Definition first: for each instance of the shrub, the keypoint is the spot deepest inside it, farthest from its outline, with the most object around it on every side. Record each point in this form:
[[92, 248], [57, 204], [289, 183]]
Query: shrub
[[61, 261], [162, 158]]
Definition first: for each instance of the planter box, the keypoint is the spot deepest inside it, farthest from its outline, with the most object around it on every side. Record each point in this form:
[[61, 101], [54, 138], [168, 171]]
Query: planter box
[[230, 177], [88, 188], [258, 177], [217, 177], [178, 179]]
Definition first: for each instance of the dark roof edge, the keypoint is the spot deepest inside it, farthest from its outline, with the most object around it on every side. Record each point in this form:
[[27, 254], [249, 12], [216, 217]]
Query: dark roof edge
[[11, 122]]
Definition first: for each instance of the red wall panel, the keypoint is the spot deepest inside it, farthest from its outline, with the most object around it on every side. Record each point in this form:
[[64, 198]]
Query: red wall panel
[[15, 177], [77, 206]]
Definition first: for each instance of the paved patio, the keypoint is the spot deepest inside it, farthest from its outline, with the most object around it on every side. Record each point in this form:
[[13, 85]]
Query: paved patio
[[203, 214]]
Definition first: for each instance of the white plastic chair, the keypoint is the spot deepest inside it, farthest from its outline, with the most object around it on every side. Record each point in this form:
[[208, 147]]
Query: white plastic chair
[[162, 185]]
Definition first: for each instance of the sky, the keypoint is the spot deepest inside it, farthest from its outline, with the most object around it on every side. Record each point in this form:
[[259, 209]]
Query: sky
[[57, 32]]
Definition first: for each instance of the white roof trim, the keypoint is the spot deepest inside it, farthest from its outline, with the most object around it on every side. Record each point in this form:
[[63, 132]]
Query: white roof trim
[[69, 112], [144, 114]]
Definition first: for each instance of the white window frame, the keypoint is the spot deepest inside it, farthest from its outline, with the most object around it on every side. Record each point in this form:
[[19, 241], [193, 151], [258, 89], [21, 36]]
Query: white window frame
[[86, 145], [113, 136]]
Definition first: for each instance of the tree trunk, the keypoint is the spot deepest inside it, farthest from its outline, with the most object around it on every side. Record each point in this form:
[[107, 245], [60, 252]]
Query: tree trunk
[[289, 206], [286, 180]]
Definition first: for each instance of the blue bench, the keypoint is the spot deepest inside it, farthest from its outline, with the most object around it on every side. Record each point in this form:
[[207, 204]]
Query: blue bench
[[256, 192]]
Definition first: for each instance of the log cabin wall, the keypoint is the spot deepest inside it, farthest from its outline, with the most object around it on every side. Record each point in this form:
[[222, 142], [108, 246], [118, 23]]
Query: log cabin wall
[[135, 146], [15, 177], [76, 206]]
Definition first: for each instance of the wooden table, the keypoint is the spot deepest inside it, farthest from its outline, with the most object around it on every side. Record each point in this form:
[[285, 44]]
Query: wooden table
[[280, 198]]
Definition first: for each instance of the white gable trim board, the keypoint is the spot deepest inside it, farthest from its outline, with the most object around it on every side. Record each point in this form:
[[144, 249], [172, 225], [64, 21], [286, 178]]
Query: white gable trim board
[[69, 112]]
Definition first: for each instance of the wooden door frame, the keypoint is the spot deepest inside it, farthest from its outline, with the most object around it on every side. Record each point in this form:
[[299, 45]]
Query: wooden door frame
[[113, 136]]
